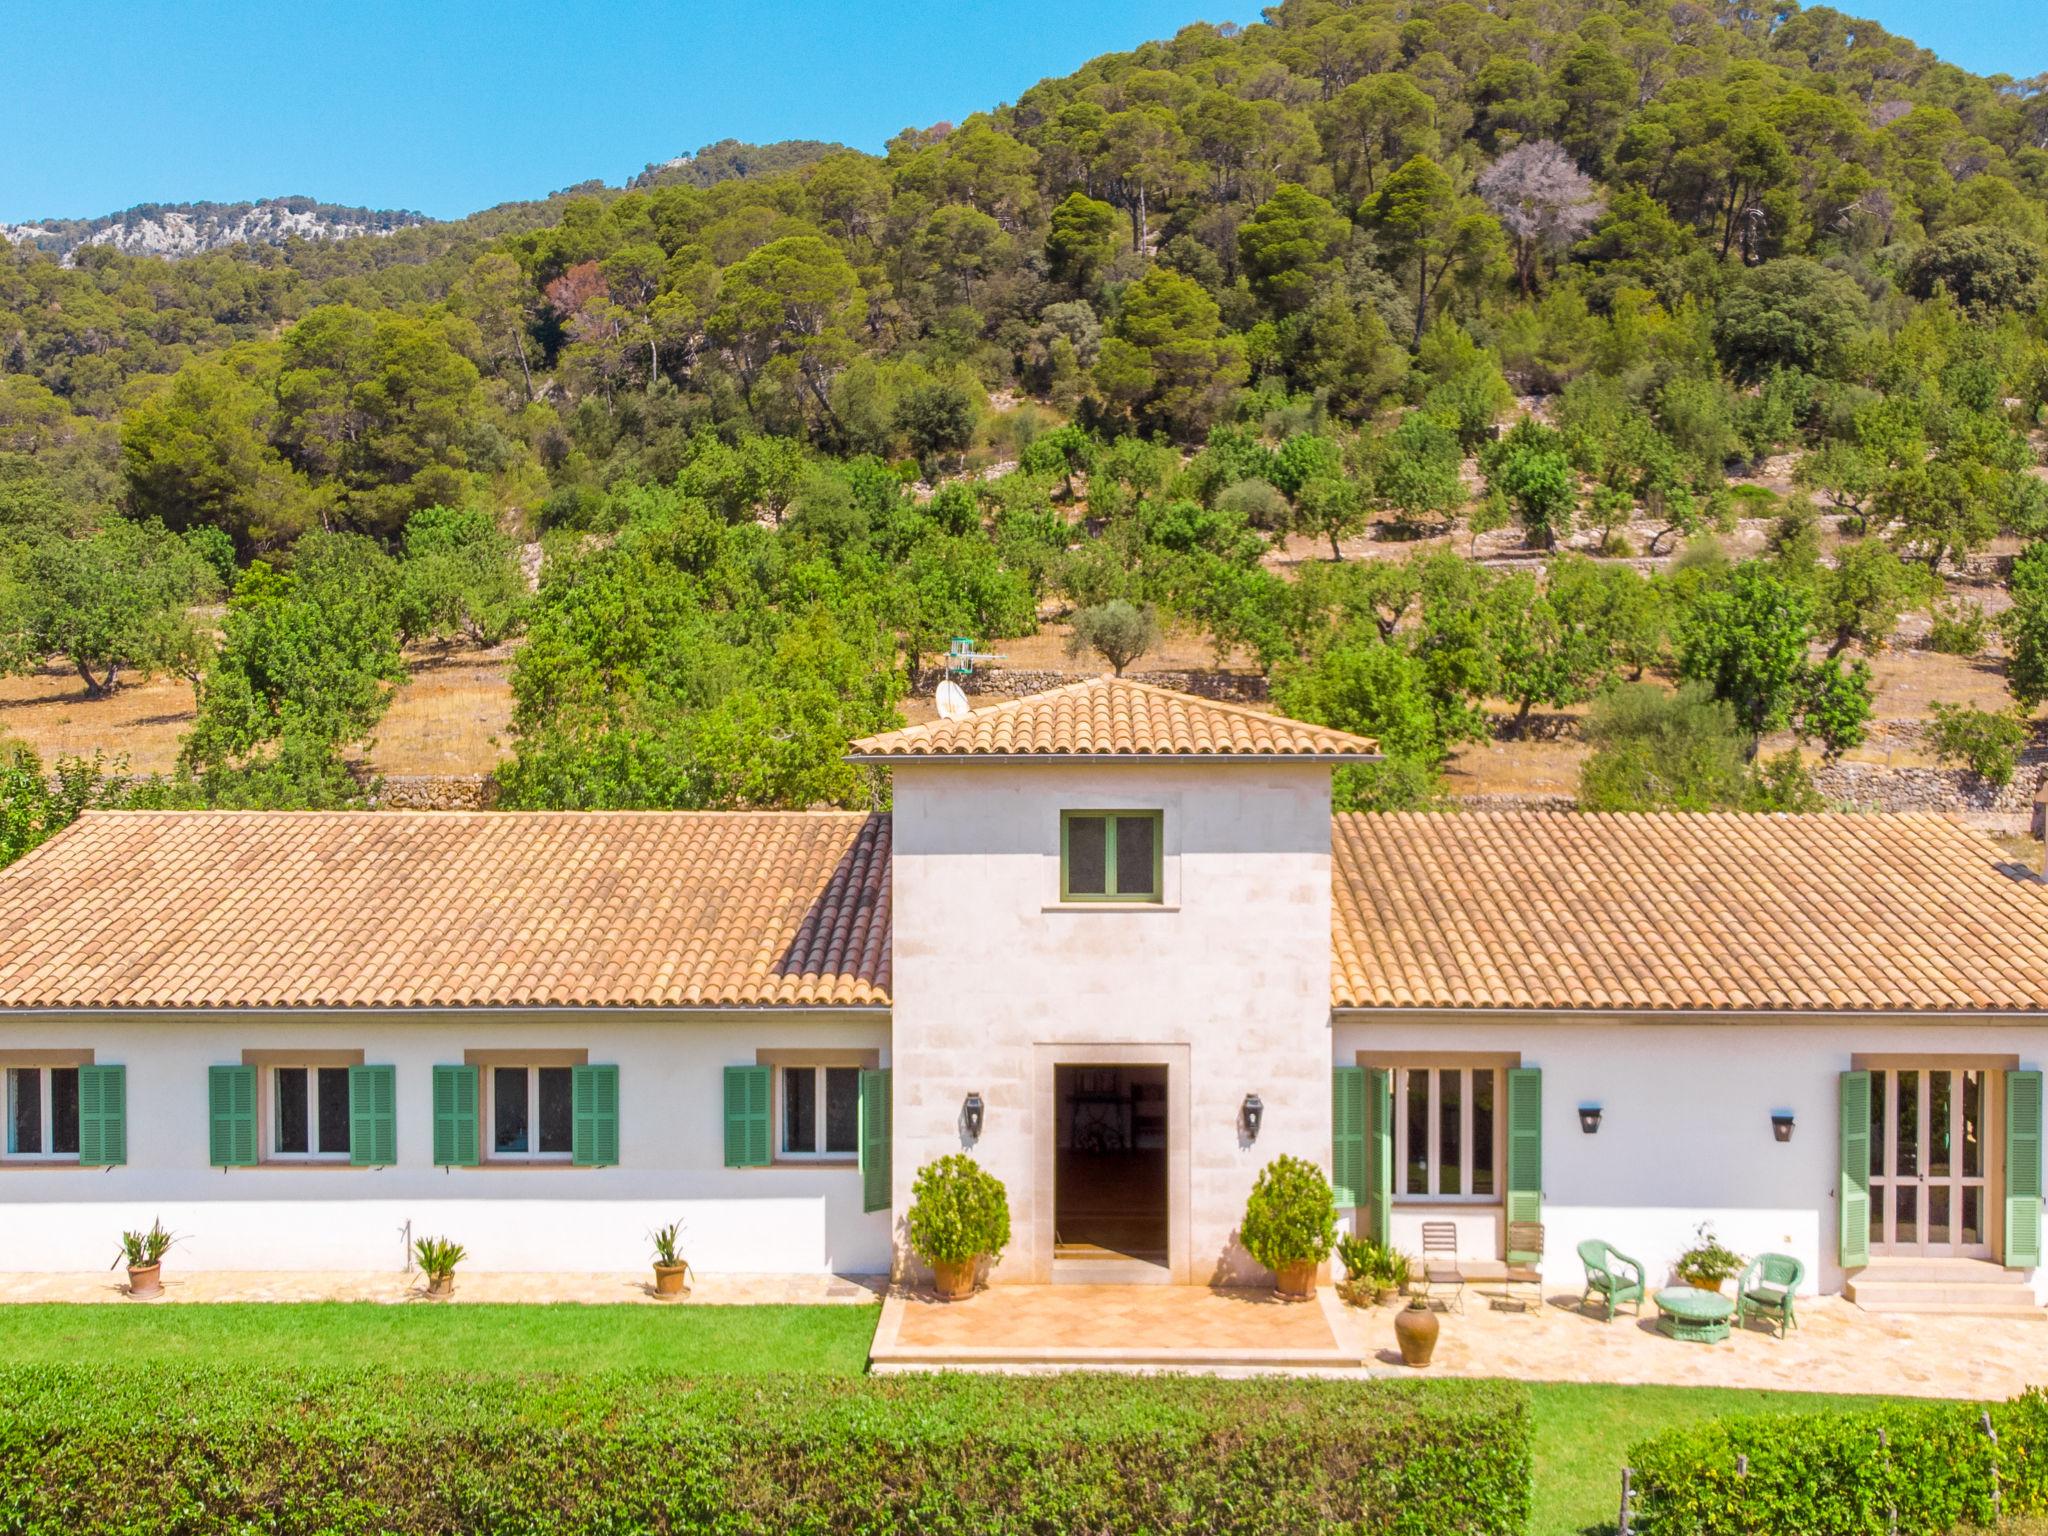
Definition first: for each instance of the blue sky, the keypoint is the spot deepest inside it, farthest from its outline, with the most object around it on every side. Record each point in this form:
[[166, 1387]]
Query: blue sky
[[448, 106]]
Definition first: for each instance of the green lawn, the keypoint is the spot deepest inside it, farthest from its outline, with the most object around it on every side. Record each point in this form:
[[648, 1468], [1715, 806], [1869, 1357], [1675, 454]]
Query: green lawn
[[1583, 1434], [689, 1340]]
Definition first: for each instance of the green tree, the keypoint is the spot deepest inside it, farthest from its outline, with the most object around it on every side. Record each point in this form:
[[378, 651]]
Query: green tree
[[1117, 631], [785, 313], [1987, 742], [1167, 358], [2025, 627], [938, 418], [1530, 468], [1988, 270], [460, 576], [118, 599], [1659, 751], [1433, 231], [1291, 246], [1417, 471], [1376, 688], [35, 804], [1082, 241], [1790, 313], [1860, 600]]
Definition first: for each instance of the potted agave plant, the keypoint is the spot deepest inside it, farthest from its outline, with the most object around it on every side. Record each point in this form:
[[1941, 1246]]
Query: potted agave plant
[[959, 1215], [1290, 1224], [671, 1269], [437, 1258], [144, 1254]]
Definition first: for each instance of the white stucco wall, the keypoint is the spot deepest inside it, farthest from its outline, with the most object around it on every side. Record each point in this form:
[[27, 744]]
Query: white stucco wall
[[1230, 978], [1685, 1132], [671, 1134]]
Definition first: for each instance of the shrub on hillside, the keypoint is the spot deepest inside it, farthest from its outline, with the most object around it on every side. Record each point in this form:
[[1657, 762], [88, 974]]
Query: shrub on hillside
[[85, 1452]]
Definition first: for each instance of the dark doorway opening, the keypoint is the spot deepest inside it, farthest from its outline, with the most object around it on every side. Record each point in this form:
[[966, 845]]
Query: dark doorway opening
[[1109, 1175]]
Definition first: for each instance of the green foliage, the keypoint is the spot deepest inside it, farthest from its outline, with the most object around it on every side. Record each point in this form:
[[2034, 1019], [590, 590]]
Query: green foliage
[[1291, 1216], [1376, 688], [1659, 751], [1986, 269], [1958, 629], [242, 1449], [1925, 1467], [1415, 471], [1167, 359], [1117, 631], [140, 1249], [115, 600], [437, 1257], [1081, 241], [1530, 469], [1745, 637], [1986, 742], [36, 805], [1790, 313], [461, 576], [959, 1212], [2025, 627], [1291, 246], [1709, 1262], [668, 1244]]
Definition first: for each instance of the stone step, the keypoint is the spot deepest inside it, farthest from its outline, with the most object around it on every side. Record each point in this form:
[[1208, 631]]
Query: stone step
[[1942, 1271], [1922, 1307], [1880, 1293]]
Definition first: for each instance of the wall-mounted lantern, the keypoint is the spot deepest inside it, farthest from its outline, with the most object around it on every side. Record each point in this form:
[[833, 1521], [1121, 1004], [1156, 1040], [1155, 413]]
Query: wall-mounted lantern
[[1781, 1124], [970, 1117], [1250, 1114], [1589, 1119]]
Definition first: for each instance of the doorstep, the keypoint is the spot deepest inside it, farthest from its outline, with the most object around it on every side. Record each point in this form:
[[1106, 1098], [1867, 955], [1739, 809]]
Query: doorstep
[[1124, 1328]]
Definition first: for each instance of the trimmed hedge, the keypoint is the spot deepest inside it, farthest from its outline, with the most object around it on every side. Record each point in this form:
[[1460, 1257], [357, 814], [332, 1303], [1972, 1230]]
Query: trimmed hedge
[[137, 1449], [1929, 1465]]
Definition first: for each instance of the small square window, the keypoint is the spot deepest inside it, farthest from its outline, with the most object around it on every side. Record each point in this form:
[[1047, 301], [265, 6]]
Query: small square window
[[811, 1129], [1110, 856], [42, 1112], [533, 1114]]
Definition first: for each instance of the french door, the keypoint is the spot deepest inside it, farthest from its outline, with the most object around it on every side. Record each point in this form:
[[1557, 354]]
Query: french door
[[1930, 1140]]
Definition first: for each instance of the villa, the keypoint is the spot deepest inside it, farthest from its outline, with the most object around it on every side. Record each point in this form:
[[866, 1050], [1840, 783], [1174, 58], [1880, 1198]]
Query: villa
[[1112, 940]]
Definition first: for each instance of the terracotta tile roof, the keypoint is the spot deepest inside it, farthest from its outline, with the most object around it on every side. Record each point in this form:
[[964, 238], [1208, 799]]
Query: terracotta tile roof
[[1114, 717], [1560, 911], [391, 909]]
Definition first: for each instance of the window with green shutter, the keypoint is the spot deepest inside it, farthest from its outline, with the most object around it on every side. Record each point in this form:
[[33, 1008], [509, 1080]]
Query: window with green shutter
[[2023, 1114], [1852, 1181], [875, 1130], [594, 1093], [373, 1116], [1525, 1144], [102, 1116], [455, 1128], [1377, 1217], [1112, 855], [231, 1111], [747, 1132], [1347, 1137]]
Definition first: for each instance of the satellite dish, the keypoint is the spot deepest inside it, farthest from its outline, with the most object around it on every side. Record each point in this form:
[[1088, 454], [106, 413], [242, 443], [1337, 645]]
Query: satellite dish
[[951, 700]]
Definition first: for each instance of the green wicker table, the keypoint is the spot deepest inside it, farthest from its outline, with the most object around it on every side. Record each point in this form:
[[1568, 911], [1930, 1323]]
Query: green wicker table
[[1697, 1317]]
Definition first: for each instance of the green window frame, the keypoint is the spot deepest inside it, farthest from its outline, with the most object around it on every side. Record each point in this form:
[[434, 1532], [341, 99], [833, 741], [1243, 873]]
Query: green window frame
[[1111, 876]]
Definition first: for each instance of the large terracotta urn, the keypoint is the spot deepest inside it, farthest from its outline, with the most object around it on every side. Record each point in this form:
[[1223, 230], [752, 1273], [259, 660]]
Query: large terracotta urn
[[1415, 1330]]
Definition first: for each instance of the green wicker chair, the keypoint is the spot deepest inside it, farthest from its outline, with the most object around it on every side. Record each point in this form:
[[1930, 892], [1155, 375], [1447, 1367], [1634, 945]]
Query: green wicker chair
[[1611, 1275], [1766, 1290]]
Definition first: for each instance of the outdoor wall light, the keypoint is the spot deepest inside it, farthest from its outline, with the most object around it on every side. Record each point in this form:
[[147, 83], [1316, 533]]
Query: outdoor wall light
[[1253, 1111], [1589, 1119], [1781, 1124], [970, 1116]]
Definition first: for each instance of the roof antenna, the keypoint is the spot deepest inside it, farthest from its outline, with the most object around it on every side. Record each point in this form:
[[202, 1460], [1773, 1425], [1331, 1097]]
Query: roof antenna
[[951, 698]]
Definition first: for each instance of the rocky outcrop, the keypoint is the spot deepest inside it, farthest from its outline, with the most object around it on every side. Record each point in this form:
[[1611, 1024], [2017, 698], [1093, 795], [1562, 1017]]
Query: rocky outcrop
[[186, 229]]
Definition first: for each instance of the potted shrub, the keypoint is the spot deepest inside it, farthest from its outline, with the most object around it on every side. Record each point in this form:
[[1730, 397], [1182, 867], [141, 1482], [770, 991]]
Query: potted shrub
[[1290, 1223], [1708, 1263], [959, 1214], [143, 1252], [1371, 1273], [671, 1269], [437, 1258]]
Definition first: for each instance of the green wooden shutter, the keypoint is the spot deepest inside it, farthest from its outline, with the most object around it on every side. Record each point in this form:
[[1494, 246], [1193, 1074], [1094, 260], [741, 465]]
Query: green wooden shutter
[[875, 1127], [1525, 1144], [1852, 1187], [102, 1116], [1379, 1156], [455, 1138], [746, 1117], [373, 1116], [2022, 1169], [1347, 1136], [231, 1105], [594, 1134]]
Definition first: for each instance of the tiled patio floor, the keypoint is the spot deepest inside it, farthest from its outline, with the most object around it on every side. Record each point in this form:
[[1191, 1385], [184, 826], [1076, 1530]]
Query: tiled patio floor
[[470, 1286], [1838, 1347]]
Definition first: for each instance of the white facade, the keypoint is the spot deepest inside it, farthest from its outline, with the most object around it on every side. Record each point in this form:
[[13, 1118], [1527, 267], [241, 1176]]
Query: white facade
[[788, 1217], [1685, 1132], [1226, 981]]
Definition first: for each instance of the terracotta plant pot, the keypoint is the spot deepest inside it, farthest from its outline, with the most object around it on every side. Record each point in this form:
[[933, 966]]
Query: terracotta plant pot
[[1296, 1281], [1415, 1330], [440, 1287], [954, 1282], [1388, 1295], [1704, 1285], [671, 1280], [145, 1281]]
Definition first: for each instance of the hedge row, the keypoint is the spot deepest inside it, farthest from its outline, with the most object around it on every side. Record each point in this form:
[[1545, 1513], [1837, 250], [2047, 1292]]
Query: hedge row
[[135, 1450], [1917, 1469]]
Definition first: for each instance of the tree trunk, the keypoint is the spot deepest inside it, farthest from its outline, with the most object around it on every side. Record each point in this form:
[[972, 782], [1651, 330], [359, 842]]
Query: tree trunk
[[1335, 553], [519, 345]]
